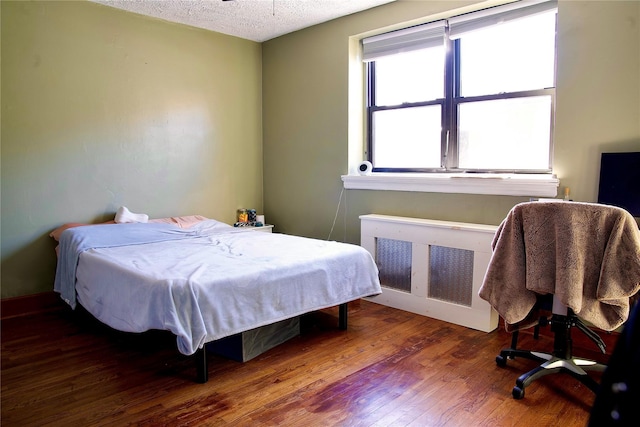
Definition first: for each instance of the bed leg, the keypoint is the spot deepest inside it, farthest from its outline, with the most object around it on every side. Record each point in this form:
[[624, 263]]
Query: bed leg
[[342, 316], [202, 370]]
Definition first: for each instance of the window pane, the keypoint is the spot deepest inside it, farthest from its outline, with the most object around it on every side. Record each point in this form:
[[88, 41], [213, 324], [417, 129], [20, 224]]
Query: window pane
[[410, 77], [407, 137], [514, 56], [505, 133]]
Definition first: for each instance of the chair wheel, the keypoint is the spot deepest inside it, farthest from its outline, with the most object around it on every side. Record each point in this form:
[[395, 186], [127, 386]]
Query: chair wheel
[[517, 392], [501, 361]]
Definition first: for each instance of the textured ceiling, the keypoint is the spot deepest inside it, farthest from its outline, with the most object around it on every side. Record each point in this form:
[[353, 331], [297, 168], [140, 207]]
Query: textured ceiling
[[257, 20]]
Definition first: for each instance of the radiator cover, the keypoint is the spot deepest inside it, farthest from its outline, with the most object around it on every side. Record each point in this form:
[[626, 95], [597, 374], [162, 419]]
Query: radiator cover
[[431, 267]]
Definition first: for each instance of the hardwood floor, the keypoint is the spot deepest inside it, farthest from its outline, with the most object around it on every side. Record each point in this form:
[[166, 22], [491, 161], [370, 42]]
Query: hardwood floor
[[390, 368]]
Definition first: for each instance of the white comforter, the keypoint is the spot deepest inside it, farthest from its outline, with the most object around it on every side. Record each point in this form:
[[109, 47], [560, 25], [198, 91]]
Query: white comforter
[[219, 281]]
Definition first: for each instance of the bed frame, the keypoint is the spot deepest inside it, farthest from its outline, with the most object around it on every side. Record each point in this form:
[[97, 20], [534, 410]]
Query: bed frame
[[202, 366], [76, 280]]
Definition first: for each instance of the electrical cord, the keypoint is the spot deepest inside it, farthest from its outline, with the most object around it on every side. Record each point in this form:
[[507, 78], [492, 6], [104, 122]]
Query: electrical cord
[[336, 215]]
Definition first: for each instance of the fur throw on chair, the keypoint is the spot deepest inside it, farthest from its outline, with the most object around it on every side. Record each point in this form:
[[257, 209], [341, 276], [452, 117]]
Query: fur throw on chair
[[586, 254]]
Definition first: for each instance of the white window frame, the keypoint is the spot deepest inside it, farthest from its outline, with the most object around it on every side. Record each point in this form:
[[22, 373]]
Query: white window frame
[[515, 184]]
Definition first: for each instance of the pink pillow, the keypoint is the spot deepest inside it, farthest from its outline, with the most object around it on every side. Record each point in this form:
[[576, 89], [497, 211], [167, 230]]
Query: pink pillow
[[58, 231], [181, 221]]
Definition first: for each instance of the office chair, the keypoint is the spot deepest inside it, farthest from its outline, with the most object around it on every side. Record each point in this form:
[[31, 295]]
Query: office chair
[[581, 261]]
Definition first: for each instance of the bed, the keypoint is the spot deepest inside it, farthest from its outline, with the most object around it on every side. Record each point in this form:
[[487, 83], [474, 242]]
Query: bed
[[206, 281]]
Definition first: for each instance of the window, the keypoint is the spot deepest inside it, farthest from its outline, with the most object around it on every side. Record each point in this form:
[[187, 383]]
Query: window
[[471, 93]]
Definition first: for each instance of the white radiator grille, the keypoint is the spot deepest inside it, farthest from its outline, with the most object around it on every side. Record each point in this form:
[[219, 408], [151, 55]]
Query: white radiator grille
[[430, 267], [450, 274], [394, 262]]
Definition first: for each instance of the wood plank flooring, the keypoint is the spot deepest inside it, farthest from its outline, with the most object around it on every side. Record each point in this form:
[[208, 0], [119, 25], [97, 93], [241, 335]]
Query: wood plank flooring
[[390, 368]]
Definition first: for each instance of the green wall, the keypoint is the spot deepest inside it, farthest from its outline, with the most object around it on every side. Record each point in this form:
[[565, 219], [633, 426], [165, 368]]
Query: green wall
[[103, 108], [307, 115]]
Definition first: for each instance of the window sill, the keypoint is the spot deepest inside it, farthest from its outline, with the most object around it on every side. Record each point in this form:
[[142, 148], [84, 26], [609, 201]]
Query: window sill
[[532, 185]]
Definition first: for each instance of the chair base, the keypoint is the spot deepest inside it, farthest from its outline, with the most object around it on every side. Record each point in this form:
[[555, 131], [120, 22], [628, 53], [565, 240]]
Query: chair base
[[560, 361], [576, 367]]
